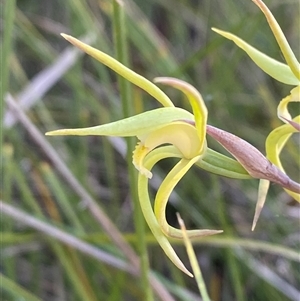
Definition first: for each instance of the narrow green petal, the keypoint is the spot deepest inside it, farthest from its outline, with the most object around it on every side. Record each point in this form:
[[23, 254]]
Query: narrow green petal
[[154, 226], [140, 124], [277, 70], [196, 101], [119, 68], [261, 198], [281, 39]]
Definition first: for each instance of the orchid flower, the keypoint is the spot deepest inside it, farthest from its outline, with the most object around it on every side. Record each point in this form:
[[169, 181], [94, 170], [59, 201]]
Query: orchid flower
[[185, 136], [288, 73]]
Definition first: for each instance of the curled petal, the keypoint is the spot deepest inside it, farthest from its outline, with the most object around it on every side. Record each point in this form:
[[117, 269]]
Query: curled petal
[[274, 145], [181, 134], [257, 165], [163, 194], [140, 124], [196, 101], [282, 109], [151, 159], [281, 39], [178, 133], [122, 70], [277, 70]]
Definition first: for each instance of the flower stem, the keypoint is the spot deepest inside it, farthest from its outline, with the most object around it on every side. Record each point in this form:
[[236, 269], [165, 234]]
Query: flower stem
[[6, 47], [126, 96]]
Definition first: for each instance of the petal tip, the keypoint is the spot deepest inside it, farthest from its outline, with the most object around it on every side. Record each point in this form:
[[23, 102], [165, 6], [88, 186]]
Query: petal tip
[[258, 210], [64, 35], [50, 133], [294, 124]]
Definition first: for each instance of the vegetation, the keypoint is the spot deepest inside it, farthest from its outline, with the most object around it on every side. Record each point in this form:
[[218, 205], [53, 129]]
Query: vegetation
[[71, 224]]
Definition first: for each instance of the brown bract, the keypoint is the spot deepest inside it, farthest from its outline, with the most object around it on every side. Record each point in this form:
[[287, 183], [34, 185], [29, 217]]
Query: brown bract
[[252, 159]]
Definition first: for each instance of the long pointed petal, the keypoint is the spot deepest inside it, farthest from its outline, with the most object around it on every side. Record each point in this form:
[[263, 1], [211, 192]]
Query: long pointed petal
[[281, 39], [149, 214], [261, 198], [119, 68], [277, 70], [140, 124]]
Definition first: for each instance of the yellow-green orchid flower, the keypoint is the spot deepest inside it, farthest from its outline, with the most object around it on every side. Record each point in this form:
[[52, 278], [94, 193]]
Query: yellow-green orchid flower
[[286, 73], [165, 125], [185, 134]]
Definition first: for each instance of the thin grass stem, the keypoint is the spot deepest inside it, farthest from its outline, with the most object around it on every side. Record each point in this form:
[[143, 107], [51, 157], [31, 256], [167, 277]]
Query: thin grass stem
[[120, 37]]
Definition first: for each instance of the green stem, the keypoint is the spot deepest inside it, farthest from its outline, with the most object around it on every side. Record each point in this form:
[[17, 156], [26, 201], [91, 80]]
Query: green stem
[[212, 241], [14, 289], [5, 53], [67, 208], [126, 95], [77, 277], [9, 265]]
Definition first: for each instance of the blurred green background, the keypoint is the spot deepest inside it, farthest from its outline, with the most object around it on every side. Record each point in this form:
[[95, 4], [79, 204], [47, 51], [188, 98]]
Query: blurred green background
[[59, 87]]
